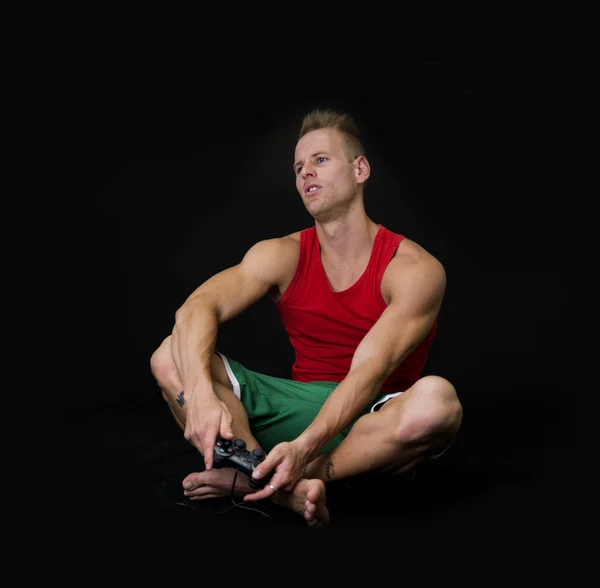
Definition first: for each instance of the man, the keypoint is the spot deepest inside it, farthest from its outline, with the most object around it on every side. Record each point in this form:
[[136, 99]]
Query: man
[[359, 303]]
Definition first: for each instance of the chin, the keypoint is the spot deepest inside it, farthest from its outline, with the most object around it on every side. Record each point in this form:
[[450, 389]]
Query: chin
[[314, 209], [325, 215]]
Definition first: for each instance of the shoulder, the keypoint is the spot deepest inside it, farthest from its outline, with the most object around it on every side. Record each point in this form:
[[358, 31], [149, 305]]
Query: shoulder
[[410, 253], [293, 237], [413, 269], [277, 249], [276, 258], [286, 245]]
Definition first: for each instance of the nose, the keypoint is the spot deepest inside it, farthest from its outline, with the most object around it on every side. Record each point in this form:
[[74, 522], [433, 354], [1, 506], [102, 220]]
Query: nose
[[308, 171]]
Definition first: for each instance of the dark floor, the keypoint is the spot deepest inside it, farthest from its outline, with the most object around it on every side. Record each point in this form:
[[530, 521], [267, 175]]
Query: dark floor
[[112, 503]]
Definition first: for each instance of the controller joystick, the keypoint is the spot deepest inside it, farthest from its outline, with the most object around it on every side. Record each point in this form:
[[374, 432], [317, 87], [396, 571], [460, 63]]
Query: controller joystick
[[258, 454], [234, 454]]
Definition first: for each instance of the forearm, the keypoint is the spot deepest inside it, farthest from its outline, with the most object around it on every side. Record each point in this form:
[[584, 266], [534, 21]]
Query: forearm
[[370, 368], [193, 343], [344, 405]]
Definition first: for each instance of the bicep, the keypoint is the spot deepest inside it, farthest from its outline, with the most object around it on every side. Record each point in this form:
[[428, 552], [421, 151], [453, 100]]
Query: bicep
[[416, 292], [233, 290]]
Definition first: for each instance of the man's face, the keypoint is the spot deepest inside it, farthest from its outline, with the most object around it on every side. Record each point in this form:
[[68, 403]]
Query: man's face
[[325, 179]]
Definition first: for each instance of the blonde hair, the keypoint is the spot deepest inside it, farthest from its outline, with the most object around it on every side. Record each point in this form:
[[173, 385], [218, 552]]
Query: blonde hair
[[329, 119]]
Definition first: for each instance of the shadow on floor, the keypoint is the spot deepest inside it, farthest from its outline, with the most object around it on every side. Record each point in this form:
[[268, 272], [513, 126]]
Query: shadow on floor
[[111, 484]]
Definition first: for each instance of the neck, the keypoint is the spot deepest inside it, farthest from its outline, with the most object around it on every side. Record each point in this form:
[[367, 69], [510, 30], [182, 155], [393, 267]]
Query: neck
[[347, 237]]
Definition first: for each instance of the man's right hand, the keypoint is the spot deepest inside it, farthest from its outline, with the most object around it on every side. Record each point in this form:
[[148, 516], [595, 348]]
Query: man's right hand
[[207, 417]]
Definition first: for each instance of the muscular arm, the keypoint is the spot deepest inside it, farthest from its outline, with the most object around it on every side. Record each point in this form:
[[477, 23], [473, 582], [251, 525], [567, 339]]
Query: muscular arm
[[415, 287], [217, 300]]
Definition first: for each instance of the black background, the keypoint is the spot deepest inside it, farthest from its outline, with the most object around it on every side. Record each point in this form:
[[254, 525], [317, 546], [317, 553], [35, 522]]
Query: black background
[[153, 175]]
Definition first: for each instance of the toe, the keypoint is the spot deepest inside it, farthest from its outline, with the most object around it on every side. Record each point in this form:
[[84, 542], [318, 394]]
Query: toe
[[313, 493], [190, 482], [197, 479], [204, 496], [310, 507]]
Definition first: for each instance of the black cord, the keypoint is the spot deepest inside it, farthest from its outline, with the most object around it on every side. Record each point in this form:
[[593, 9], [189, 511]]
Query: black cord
[[235, 504], [240, 504], [180, 504]]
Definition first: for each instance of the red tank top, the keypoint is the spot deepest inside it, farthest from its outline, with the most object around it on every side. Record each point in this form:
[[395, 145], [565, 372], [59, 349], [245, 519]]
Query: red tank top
[[326, 327]]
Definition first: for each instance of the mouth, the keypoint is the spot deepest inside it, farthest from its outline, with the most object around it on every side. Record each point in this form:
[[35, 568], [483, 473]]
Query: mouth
[[311, 189]]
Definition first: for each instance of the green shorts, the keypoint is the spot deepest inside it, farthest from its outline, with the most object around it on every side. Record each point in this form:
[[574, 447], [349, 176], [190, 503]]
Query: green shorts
[[280, 409]]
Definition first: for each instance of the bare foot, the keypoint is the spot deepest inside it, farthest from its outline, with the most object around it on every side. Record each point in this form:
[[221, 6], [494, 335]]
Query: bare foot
[[215, 483], [307, 499]]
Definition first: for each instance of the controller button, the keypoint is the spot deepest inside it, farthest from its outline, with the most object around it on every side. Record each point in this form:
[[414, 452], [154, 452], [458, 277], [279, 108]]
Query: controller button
[[240, 444], [258, 453]]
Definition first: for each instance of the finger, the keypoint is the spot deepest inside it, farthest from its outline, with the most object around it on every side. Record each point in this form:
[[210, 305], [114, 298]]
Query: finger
[[199, 445], [279, 480], [226, 423], [267, 491], [272, 461], [208, 448]]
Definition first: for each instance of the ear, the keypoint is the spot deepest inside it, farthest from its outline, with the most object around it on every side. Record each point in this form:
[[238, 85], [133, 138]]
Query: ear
[[362, 169]]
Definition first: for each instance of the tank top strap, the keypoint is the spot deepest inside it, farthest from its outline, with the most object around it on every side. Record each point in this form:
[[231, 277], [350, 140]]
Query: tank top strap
[[385, 247], [308, 239]]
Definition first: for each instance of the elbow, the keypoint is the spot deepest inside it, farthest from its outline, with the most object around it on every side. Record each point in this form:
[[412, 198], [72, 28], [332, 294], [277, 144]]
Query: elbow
[[178, 318], [183, 312]]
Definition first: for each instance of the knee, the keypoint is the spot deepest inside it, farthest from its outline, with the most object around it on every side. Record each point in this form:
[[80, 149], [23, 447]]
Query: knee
[[158, 362], [435, 412], [162, 366]]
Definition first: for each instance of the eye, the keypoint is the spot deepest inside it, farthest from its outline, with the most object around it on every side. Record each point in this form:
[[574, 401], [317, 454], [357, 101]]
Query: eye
[[323, 158], [298, 169]]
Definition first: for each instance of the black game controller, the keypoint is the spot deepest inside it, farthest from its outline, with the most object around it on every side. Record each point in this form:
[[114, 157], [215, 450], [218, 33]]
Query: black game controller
[[234, 454]]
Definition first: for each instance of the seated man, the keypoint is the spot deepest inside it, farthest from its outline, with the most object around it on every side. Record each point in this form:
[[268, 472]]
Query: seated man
[[360, 306]]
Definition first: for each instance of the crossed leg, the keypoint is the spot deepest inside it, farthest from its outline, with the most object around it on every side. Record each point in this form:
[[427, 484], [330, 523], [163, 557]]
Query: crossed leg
[[405, 431], [408, 429], [307, 497]]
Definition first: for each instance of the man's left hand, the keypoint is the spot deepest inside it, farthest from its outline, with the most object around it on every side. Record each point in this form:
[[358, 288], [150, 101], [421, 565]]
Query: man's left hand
[[287, 459]]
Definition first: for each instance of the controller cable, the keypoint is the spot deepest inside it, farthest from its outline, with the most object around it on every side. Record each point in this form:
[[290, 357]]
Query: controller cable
[[235, 503]]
